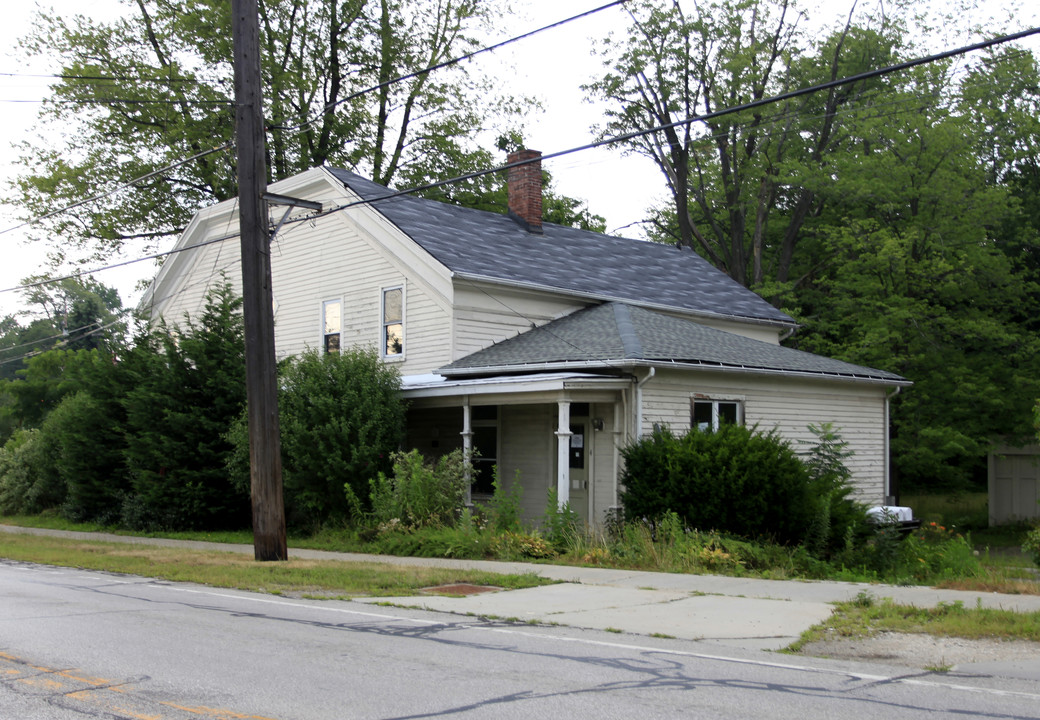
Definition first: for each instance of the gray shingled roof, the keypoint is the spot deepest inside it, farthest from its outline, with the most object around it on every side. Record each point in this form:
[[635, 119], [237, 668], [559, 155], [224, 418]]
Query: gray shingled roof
[[482, 244], [617, 333]]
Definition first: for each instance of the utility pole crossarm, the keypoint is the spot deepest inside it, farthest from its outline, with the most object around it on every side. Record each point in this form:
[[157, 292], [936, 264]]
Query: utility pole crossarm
[[275, 199]]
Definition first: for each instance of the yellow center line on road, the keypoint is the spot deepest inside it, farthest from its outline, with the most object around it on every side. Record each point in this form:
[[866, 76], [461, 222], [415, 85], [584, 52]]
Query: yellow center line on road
[[104, 695], [217, 713]]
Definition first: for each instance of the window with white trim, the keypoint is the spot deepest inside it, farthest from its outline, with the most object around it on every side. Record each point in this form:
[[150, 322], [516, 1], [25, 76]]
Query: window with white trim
[[393, 322], [708, 414], [331, 324]]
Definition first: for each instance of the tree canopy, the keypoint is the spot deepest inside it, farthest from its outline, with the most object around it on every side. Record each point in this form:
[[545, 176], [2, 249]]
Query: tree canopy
[[140, 95], [895, 217]]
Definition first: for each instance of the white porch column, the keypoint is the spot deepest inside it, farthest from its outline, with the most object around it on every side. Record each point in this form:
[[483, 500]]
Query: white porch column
[[467, 446], [563, 450], [619, 440]]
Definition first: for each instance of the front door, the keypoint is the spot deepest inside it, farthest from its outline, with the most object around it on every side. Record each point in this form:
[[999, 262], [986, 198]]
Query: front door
[[579, 469]]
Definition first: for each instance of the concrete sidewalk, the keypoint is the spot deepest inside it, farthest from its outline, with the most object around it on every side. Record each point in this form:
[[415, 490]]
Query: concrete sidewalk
[[744, 612]]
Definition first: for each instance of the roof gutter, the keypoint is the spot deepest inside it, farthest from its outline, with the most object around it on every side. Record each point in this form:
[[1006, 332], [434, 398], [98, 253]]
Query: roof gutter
[[633, 363]]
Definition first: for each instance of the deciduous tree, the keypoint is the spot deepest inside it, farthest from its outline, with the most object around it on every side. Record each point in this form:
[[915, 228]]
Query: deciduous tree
[[139, 95]]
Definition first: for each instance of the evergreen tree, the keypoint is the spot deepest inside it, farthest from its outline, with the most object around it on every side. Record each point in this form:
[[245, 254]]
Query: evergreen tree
[[187, 386]]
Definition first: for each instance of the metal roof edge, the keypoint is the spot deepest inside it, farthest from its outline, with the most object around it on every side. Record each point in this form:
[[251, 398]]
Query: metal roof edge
[[539, 382], [663, 364]]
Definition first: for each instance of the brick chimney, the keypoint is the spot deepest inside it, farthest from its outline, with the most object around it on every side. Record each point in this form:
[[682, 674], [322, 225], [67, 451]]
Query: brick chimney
[[525, 190]]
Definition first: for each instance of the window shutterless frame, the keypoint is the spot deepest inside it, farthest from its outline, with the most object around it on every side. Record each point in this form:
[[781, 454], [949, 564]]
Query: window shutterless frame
[[707, 414], [392, 324], [331, 325]]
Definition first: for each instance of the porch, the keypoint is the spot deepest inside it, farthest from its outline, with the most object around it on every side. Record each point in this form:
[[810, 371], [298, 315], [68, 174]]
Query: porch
[[562, 431]]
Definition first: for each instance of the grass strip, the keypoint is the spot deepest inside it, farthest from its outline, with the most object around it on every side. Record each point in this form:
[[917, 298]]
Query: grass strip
[[323, 578], [866, 616]]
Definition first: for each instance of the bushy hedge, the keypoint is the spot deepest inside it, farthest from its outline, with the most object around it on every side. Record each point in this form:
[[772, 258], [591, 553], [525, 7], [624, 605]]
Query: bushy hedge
[[26, 476], [184, 391], [133, 435], [341, 417], [734, 480]]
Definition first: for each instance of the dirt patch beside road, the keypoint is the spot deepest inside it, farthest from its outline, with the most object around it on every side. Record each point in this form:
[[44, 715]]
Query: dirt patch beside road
[[922, 651]]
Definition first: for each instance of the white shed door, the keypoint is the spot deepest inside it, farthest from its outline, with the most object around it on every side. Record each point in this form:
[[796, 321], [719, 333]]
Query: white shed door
[[1015, 489]]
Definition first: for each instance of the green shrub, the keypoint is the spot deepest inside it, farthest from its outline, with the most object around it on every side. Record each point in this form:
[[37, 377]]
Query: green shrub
[[560, 525], [420, 492], [930, 554], [29, 483], [503, 509], [734, 480], [836, 519], [1031, 546], [464, 541], [185, 392], [935, 552], [89, 442], [518, 546], [341, 417]]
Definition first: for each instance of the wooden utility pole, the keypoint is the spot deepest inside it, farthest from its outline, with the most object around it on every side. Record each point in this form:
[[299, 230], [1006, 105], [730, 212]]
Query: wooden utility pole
[[265, 454]]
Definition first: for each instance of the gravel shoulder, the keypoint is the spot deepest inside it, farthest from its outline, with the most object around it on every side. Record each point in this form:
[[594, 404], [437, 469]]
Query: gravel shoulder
[[922, 651]]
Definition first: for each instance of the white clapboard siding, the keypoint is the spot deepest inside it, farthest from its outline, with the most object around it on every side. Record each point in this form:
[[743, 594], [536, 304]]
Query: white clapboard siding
[[351, 256], [602, 476], [788, 405], [200, 270], [484, 315], [526, 444]]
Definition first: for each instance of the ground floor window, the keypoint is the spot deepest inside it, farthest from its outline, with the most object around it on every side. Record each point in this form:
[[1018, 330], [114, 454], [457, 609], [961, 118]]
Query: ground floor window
[[708, 414], [484, 419]]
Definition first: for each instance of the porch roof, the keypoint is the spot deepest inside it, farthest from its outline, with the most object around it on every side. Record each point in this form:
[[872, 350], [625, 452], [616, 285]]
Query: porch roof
[[439, 386], [621, 336]]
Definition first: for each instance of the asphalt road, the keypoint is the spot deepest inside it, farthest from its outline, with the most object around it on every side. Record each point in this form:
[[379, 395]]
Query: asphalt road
[[78, 644]]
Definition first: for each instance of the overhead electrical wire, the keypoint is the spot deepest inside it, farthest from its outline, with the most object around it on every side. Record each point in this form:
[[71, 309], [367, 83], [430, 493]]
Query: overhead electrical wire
[[120, 188], [698, 118], [562, 153], [447, 63], [326, 110], [120, 78]]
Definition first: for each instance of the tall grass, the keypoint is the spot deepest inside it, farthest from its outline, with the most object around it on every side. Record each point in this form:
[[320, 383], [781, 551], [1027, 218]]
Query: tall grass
[[962, 510]]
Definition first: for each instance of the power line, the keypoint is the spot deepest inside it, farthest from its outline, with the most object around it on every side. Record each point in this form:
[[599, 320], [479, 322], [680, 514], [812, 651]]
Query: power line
[[81, 273], [121, 101], [447, 63], [326, 110], [562, 153], [118, 78], [124, 186], [709, 116]]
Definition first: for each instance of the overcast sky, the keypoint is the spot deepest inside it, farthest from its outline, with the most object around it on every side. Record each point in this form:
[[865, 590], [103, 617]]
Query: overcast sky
[[551, 66]]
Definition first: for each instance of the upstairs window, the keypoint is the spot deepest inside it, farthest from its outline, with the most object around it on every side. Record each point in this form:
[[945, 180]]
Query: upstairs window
[[393, 322], [708, 415], [331, 322]]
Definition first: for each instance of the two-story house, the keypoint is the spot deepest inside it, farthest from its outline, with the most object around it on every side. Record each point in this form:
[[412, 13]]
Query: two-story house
[[545, 348]]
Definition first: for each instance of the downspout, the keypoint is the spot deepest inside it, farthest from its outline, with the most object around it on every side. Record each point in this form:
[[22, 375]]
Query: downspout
[[638, 430], [888, 448]]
